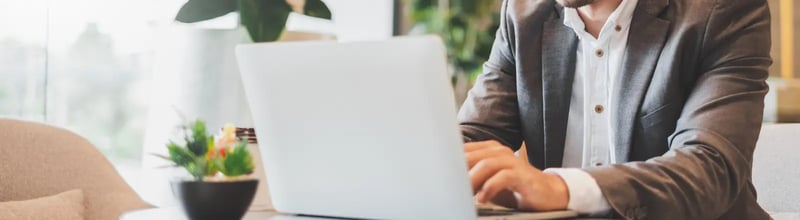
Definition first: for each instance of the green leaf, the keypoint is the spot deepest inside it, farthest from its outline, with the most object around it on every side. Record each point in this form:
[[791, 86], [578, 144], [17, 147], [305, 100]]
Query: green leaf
[[161, 156], [238, 162], [467, 28], [201, 10], [215, 164], [198, 168], [264, 19], [423, 4], [179, 155], [199, 130], [167, 166], [317, 8], [200, 138]]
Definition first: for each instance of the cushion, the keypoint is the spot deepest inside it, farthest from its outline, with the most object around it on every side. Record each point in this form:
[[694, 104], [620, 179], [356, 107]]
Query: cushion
[[64, 206], [38, 160]]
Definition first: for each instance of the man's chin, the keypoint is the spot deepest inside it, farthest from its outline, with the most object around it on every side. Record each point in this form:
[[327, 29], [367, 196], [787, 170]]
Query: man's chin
[[574, 3]]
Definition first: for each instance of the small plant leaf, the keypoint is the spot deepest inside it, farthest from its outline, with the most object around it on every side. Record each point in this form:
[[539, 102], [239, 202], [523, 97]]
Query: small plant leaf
[[219, 163], [160, 156], [200, 138], [167, 166], [198, 168], [179, 155], [264, 19], [317, 8], [239, 161], [201, 10]]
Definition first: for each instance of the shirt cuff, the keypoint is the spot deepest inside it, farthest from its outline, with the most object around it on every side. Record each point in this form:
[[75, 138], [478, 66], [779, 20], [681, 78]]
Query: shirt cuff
[[585, 196]]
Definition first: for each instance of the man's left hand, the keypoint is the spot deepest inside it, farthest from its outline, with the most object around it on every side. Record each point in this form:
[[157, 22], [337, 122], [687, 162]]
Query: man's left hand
[[495, 170]]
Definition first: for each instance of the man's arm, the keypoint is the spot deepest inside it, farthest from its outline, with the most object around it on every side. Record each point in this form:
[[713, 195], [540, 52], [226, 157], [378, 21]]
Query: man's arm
[[709, 163], [491, 111]]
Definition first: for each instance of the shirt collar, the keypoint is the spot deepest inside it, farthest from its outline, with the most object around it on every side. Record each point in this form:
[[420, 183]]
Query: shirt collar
[[621, 16]]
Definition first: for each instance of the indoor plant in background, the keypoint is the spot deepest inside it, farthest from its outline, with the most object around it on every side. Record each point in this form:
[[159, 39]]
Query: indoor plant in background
[[265, 20], [468, 30], [221, 186]]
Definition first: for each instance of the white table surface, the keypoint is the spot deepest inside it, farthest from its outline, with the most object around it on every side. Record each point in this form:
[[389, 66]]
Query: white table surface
[[175, 213]]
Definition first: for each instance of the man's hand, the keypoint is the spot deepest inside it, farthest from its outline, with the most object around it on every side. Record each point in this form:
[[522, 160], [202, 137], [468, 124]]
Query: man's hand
[[495, 170]]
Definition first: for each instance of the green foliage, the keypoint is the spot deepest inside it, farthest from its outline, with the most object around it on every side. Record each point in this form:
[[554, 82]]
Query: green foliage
[[200, 157], [183, 157], [265, 20], [198, 169], [179, 155], [317, 8], [200, 139], [201, 10], [467, 27], [238, 162]]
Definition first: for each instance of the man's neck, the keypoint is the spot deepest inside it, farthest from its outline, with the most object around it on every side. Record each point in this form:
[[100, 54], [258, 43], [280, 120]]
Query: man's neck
[[594, 16]]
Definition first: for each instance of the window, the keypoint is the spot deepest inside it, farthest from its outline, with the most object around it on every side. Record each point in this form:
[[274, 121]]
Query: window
[[84, 65], [23, 60], [105, 68]]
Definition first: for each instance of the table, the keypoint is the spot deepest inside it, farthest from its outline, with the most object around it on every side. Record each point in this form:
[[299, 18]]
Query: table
[[175, 213]]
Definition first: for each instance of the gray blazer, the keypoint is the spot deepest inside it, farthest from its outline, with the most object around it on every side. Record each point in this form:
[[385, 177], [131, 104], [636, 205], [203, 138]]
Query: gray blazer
[[688, 106]]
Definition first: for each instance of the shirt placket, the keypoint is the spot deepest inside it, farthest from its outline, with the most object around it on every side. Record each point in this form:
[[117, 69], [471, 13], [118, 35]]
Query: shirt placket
[[598, 99]]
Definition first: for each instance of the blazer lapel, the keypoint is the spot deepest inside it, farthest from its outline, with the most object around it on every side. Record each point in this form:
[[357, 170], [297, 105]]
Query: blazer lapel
[[645, 41], [559, 44]]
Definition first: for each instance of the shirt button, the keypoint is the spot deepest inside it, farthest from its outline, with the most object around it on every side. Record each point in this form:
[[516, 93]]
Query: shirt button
[[599, 53], [598, 109], [618, 28]]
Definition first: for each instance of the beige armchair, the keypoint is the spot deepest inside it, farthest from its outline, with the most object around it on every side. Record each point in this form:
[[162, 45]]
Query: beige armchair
[[38, 160]]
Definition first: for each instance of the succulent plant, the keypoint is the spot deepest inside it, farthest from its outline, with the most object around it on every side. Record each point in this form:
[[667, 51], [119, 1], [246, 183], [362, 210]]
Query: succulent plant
[[204, 156]]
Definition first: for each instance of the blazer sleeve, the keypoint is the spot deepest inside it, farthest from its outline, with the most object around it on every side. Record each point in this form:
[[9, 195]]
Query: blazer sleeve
[[709, 162], [490, 111]]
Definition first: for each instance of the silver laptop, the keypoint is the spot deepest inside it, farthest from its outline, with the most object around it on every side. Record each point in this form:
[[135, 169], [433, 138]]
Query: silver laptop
[[360, 130]]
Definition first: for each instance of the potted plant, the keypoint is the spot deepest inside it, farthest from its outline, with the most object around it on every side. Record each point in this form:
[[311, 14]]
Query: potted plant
[[468, 30], [221, 186], [264, 20]]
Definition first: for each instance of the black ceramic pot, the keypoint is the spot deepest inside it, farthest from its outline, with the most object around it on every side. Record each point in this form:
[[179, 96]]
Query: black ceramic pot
[[215, 200]]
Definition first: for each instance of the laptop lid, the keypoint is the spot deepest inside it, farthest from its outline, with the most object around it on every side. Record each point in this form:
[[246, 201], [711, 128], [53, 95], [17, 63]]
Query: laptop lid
[[359, 129]]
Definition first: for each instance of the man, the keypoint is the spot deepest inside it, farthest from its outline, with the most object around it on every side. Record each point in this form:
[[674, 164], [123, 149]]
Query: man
[[652, 108]]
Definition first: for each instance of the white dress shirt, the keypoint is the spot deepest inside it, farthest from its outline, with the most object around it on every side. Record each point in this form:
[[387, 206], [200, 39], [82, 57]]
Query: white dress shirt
[[589, 139]]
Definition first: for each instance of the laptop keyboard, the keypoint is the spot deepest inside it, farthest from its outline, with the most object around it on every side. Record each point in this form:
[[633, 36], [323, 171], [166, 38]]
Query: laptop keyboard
[[493, 210]]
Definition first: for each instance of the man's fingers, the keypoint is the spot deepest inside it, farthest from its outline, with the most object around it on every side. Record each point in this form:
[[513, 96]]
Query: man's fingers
[[473, 146], [487, 168], [474, 157], [501, 181]]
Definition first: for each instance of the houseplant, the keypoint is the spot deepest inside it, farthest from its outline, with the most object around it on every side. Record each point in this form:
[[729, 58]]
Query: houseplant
[[264, 19], [467, 28], [221, 187]]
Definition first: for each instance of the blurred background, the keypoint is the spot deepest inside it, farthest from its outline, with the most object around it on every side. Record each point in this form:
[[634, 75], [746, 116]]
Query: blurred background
[[125, 73]]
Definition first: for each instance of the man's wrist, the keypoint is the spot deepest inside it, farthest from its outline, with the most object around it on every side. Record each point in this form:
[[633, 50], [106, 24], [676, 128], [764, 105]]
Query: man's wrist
[[585, 196], [560, 196]]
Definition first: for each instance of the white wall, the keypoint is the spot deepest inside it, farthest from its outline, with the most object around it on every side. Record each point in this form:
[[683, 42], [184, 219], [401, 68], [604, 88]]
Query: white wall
[[362, 19]]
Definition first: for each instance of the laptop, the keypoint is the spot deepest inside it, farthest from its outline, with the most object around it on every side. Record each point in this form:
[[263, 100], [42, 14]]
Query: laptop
[[362, 130]]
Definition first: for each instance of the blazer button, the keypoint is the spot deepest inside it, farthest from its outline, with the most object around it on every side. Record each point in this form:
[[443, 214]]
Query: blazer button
[[599, 53], [618, 28], [598, 109]]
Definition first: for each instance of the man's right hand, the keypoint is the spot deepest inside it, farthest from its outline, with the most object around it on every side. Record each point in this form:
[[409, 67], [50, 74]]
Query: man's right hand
[[498, 175]]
